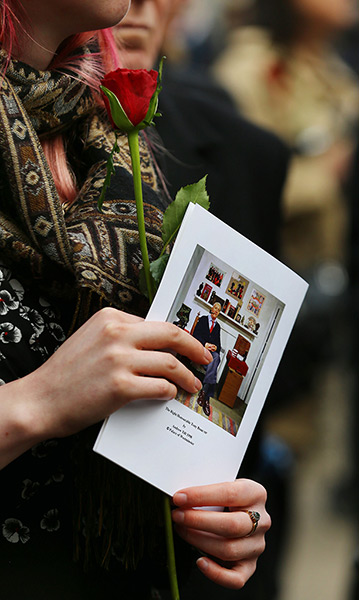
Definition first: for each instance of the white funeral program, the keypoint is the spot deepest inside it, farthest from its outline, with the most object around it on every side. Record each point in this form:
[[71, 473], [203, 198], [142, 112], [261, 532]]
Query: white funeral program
[[202, 438]]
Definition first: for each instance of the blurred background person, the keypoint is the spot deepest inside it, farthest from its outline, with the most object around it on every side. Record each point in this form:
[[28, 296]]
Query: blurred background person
[[280, 67]]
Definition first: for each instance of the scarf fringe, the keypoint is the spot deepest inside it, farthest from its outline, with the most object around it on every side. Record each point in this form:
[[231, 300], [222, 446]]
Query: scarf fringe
[[120, 519]]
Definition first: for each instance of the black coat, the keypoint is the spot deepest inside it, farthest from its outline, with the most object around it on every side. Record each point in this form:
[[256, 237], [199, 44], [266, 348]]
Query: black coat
[[246, 165]]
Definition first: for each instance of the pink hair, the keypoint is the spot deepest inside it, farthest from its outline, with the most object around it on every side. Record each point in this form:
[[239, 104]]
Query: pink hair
[[89, 67]]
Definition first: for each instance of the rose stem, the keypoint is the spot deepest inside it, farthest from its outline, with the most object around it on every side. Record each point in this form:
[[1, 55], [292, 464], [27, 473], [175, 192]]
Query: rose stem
[[136, 169], [137, 182], [171, 560]]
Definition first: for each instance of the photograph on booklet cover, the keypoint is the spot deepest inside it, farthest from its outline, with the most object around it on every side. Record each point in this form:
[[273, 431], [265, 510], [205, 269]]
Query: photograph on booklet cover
[[169, 443], [238, 351]]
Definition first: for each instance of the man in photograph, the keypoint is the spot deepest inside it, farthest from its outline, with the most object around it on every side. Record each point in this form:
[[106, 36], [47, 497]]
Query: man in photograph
[[208, 332]]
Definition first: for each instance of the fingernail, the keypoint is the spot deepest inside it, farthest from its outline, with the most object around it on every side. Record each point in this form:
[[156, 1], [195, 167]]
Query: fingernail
[[180, 499], [178, 516], [197, 384], [202, 563], [208, 356]]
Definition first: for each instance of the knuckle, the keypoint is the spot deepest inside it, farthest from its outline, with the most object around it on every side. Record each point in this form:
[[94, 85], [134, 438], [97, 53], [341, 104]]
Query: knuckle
[[176, 336], [165, 389], [174, 332], [171, 363], [116, 360], [108, 310], [262, 546], [106, 314], [111, 329], [267, 522], [262, 493], [119, 382], [109, 360]]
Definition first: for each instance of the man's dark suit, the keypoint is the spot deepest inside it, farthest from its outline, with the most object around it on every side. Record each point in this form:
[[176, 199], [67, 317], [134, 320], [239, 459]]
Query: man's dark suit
[[203, 334]]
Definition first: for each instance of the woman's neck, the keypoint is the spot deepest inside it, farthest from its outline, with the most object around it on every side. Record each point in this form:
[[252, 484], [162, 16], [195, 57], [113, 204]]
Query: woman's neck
[[37, 50], [38, 58]]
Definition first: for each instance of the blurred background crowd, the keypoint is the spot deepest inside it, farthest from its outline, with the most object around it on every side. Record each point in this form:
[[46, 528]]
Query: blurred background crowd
[[263, 96]]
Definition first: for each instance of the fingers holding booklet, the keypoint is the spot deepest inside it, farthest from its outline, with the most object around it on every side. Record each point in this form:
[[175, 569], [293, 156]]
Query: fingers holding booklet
[[232, 539]]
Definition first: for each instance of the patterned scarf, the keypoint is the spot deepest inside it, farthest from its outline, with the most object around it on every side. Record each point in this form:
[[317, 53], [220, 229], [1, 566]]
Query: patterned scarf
[[79, 254], [70, 248]]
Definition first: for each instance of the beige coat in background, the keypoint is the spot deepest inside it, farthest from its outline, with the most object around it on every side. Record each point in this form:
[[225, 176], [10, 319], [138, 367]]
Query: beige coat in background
[[312, 102]]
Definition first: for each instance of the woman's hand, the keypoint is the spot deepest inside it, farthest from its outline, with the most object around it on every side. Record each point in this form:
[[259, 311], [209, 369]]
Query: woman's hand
[[111, 360], [225, 536]]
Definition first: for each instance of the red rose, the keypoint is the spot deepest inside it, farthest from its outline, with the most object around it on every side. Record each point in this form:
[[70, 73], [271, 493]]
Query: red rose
[[131, 99], [134, 89]]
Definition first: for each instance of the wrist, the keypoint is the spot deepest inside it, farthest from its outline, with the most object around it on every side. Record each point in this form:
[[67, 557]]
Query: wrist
[[17, 431], [36, 418]]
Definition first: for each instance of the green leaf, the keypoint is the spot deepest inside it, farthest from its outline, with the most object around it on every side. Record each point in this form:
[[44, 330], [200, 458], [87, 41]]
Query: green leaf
[[153, 105], [172, 218], [157, 268], [118, 115]]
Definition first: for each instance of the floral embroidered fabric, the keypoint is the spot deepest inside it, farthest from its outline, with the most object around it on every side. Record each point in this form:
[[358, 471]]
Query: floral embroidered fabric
[[30, 331]]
